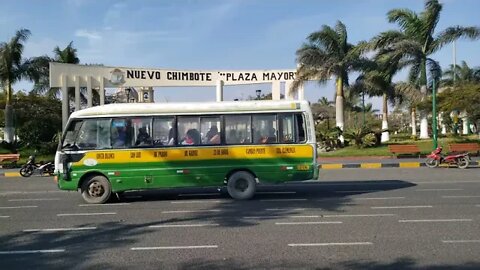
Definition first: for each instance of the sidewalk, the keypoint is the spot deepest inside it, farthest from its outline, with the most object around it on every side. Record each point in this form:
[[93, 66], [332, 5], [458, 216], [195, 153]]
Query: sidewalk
[[376, 162]]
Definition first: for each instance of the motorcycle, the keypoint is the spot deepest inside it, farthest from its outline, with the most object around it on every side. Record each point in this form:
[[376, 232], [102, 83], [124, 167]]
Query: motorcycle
[[42, 168], [436, 158]]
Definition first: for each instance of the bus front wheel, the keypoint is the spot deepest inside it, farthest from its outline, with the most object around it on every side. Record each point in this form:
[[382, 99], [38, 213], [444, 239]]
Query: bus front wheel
[[96, 189], [241, 185]]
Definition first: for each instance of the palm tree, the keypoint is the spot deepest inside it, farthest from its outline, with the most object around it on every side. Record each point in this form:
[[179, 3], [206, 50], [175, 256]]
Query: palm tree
[[67, 55], [416, 41], [460, 74], [13, 68], [377, 81], [327, 54], [324, 102]]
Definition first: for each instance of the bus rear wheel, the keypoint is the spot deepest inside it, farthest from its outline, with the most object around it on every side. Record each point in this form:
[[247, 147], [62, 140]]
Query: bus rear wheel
[[96, 189], [241, 185]]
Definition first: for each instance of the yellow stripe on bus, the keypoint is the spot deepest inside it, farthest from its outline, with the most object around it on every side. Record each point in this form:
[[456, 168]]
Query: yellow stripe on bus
[[197, 153]]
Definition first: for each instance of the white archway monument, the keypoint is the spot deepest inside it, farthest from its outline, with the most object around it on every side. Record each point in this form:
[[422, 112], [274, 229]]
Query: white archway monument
[[96, 78]]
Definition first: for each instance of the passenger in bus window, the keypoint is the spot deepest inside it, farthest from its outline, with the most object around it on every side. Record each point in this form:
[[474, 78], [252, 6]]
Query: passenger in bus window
[[171, 137], [212, 136], [270, 138], [192, 137], [143, 138], [121, 138]]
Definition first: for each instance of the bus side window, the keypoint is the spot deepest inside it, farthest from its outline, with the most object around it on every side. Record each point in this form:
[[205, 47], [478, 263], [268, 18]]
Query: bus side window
[[188, 130], [94, 134], [210, 128], [300, 127], [287, 128], [264, 128], [120, 133], [163, 131], [141, 132], [238, 129]]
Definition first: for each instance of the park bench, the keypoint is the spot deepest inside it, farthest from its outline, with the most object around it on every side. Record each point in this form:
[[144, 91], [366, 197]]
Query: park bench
[[13, 158], [464, 147], [400, 149]]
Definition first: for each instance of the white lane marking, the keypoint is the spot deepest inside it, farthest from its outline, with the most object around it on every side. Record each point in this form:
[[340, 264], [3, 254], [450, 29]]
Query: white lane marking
[[260, 217], [30, 192], [380, 198], [189, 211], [357, 191], [105, 204], [361, 215], [18, 207], [61, 229], [329, 244], [439, 189], [460, 241], [436, 220], [401, 207], [285, 209], [85, 214], [203, 201], [199, 194], [282, 200], [26, 200], [184, 225], [460, 196], [308, 223], [174, 247], [4, 216], [276, 192], [32, 251]]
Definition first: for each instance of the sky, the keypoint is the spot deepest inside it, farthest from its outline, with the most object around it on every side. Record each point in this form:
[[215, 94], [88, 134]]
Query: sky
[[212, 34]]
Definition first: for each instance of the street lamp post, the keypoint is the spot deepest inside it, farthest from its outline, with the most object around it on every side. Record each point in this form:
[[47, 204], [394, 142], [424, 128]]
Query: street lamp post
[[434, 115]]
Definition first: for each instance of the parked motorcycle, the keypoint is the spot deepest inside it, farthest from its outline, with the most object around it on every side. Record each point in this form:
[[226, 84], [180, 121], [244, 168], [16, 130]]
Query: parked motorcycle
[[42, 168], [462, 160]]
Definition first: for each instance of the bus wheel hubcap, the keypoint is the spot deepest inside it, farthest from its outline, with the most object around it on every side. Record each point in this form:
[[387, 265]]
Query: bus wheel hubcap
[[95, 189], [241, 185]]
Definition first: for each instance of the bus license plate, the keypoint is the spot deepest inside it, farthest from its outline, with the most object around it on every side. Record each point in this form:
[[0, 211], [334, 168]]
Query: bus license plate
[[303, 167]]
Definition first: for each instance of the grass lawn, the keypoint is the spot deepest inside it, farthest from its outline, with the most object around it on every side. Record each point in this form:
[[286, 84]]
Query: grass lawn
[[426, 146]]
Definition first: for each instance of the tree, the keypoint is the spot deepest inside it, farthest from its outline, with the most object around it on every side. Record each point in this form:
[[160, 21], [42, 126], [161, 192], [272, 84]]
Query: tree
[[378, 81], [68, 55], [47, 123], [460, 74], [468, 100], [327, 54], [13, 68], [416, 41], [325, 102]]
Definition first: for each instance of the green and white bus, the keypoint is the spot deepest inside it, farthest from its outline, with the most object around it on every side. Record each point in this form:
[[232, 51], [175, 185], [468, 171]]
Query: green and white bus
[[119, 147]]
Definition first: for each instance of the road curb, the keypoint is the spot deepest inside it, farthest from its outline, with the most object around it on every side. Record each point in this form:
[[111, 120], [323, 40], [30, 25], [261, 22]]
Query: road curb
[[10, 174], [377, 165]]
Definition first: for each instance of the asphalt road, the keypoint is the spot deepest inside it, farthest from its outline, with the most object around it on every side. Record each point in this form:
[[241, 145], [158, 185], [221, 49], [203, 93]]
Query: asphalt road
[[351, 219]]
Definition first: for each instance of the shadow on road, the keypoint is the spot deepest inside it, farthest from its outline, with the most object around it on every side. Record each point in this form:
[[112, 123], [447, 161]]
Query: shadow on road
[[400, 263], [85, 248]]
